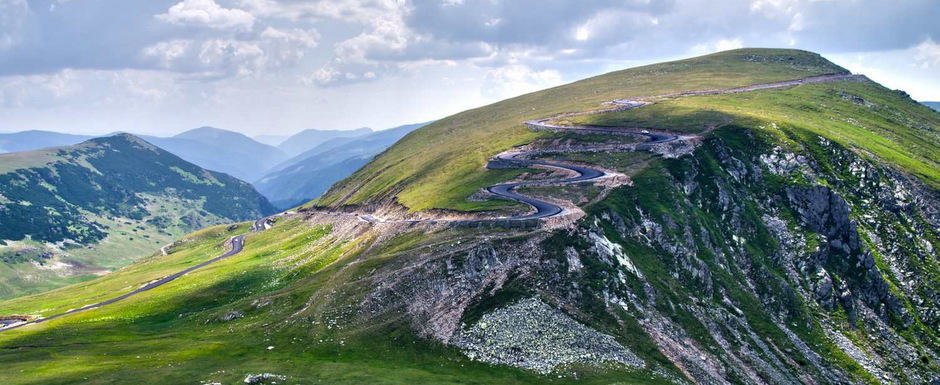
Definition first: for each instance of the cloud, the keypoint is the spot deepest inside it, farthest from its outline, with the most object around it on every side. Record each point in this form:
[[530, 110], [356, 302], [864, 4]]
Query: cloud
[[208, 13], [287, 47], [927, 54], [220, 57], [425, 57], [12, 19], [515, 80], [716, 46]]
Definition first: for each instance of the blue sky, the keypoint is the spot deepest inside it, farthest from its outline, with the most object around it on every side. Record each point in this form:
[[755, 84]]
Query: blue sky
[[280, 66]]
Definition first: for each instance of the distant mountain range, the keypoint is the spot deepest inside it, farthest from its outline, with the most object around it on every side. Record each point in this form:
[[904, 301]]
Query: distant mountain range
[[309, 174], [271, 140], [211, 148], [934, 105], [299, 168], [35, 139], [222, 150], [307, 139], [74, 210]]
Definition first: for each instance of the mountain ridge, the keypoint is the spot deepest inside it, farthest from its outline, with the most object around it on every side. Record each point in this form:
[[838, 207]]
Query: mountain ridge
[[120, 193], [307, 175], [310, 138]]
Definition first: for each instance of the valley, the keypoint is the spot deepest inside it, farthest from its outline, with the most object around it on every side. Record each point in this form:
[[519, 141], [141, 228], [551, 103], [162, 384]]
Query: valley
[[73, 213]]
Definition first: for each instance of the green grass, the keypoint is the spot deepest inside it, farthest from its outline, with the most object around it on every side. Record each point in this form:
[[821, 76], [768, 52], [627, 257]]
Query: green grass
[[128, 240], [175, 334], [892, 128], [671, 117], [440, 165], [102, 204], [626, 162]]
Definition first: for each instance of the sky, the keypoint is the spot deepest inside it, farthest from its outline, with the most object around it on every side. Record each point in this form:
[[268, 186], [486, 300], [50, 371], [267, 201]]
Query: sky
[[275, 67]]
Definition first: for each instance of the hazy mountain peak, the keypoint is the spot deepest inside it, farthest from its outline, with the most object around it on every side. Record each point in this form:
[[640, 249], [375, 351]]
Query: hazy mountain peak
[[307, 139]]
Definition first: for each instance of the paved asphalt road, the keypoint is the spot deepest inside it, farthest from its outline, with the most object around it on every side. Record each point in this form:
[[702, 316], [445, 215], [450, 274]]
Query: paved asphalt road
[[545, 209], [238, 242]]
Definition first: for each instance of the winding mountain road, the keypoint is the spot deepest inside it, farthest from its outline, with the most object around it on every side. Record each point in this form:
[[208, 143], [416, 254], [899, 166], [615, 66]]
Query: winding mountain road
[[237, 242], [514, 158], [544, 209]]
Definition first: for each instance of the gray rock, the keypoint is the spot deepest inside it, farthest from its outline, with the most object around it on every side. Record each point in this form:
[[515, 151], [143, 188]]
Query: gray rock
[[532, 335]]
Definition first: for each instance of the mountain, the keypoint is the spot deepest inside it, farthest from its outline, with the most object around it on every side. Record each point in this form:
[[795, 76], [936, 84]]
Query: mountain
[[74, 211], [307, 139], [934, 105], [32, 140], [271, 140], [211, 148], [221, 150], [306, 176], [755, 216]]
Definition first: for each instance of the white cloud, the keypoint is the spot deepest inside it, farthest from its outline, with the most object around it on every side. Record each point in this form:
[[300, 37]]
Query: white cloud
[[208, 13], [288, 47], [716, 46], [69, 87], [726, 44], [220, 57], [515, 80], [168, 52], [12, 16], [232, 56], [927, 54], [913, 70], [582, 33]]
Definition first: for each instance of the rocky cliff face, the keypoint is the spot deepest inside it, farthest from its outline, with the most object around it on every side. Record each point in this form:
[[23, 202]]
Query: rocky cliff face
[[742, 263]]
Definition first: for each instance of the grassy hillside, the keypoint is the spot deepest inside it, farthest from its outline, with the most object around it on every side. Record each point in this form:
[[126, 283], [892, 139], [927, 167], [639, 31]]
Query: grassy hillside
[[440, 165], [71, 212], [248, 314], [864, 116]]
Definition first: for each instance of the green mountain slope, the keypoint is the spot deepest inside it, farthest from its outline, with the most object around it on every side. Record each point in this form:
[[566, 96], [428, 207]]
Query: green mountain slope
[[440, 165], [73, 211], [787, 237]]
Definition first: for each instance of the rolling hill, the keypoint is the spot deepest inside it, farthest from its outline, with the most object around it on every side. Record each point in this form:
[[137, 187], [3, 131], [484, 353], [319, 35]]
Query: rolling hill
[[309, 174], [761, 217], [74, 211]]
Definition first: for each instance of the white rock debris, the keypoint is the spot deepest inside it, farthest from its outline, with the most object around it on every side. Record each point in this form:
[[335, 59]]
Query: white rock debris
[[605, 248], [264, 378], [532, 335]]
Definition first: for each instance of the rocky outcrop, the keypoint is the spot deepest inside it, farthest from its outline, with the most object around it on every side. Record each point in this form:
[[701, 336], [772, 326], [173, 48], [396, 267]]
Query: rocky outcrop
[[822, 211]]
